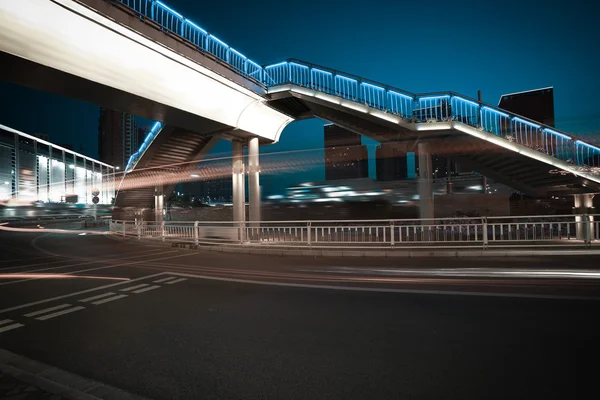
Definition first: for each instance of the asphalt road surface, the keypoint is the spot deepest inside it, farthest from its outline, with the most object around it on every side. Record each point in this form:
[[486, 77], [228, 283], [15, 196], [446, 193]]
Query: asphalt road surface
[[168, 323]]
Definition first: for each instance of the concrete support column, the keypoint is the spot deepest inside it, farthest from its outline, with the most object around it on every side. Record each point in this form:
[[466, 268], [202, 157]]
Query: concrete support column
[[425, 181], [583, 205], [159, 204], [238, 181], [254, 179]]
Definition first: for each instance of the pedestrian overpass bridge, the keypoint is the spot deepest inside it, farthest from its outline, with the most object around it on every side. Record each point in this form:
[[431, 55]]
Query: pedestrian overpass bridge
[[143, 57]]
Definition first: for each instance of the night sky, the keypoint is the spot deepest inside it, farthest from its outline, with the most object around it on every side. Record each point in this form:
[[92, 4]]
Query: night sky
[[463, 46]]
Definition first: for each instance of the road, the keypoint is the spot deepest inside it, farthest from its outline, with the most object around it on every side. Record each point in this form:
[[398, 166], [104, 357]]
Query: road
[[169, 323]]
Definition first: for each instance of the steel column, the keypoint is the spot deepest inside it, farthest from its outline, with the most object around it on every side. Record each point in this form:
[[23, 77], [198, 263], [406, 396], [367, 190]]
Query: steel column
[[425, 181], [254, 179]]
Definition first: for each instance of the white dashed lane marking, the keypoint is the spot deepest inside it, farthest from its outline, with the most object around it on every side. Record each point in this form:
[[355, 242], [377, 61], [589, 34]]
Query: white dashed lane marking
[[10, 327], [47, 310], [59, 313], [168, 278], [117, 297], [134, 287], [145, 289], [176, 281], [96, 297], [5, 321]]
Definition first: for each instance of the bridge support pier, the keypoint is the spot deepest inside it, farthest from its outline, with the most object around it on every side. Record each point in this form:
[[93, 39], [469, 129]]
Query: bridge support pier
[[159, 204], [583, 207], [425, 181], [254, 180], [238, 180]]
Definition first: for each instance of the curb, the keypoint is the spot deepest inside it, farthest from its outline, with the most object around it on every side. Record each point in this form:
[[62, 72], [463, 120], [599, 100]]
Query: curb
[[396, 253], [58, 381]]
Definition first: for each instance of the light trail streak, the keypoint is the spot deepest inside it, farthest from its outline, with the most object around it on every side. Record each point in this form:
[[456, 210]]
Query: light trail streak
[[59, 276]]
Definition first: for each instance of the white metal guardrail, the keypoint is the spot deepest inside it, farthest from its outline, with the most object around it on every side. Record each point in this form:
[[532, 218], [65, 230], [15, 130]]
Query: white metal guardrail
[[483, 232]]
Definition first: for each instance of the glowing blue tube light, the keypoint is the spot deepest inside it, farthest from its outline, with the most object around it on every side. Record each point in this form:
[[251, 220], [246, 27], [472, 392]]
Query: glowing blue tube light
[[298, 65], [373, 86], [517, 119], [467, 101], [321, 71], [587, 145], [495, 111], [434, 97], [346, 78], [277, 65], [560, 135], [216, 39], [238, 53], [187, 21], [400, 94], [169, 9]]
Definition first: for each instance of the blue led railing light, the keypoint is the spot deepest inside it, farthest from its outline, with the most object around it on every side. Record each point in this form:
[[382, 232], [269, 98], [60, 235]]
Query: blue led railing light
[[145, 144], [279, 73]]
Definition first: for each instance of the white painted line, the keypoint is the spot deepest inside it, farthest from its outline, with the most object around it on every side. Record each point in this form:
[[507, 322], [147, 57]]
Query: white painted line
[[146, 289], [47, 310], [134, 287], [64, 296], [165, 279], [176, 281], [10, 327], [117, 297], [386, 290], [59, 313], [96, 297], [5, 321]]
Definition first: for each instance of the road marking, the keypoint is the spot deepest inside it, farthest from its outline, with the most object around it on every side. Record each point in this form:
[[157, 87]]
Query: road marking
[[96, 297], [176, 281], [64, 296], [98, 268], [47, 310], [5, 321], [59, 313], [99, 261], [134, 287], [10, 327], [117, 297], [165, 279], [386, 290], [145, 289]]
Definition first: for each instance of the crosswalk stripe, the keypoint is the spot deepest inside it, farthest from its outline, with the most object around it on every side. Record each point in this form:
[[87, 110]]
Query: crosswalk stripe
[[10, 327], [59, 313], [97, 297], [134, 287], [176, 281], [146, 289], [165, 279], [5, 321], [117, 297], [47, 310]]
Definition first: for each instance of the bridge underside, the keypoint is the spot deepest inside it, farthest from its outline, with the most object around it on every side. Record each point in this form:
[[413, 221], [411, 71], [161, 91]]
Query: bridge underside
[[508, 165]]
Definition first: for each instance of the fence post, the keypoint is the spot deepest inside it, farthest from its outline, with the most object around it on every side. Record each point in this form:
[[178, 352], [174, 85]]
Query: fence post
[[392, 233], [587, 231], [196, 233], [139, 229], [162, 230], [242, 230], [123, 228], [485, 232], [308, 234]]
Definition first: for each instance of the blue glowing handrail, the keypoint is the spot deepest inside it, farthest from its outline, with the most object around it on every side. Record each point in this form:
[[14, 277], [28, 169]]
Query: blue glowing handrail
[[135, 157], [395, 101]]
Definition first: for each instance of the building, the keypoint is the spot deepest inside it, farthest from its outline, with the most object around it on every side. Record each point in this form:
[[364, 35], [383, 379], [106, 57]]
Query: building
[[391, 163], [118, 137], [210, 191], [36, 170], [537, 104], [345, 156]]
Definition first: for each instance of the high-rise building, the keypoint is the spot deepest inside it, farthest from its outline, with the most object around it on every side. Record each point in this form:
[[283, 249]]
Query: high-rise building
[[391, 162], [345, 157], [210, 191], [118, 137], [536, 104]]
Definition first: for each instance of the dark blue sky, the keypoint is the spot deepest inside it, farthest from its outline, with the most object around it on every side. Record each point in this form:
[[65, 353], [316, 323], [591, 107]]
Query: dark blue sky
[[463, 46]]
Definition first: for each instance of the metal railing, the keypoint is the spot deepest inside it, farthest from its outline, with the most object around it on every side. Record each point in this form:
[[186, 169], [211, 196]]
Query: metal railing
[[482, 232], [418, 108]]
